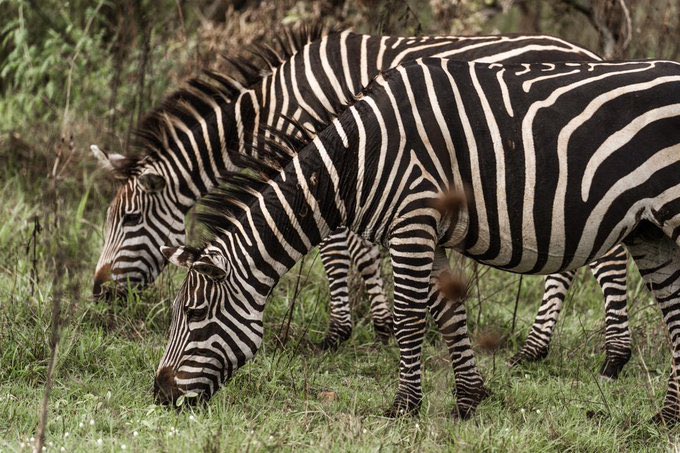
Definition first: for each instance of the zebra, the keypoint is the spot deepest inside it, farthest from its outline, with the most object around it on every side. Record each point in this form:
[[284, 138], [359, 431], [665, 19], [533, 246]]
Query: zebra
[[309, 78], [610, 272], [600, 140]]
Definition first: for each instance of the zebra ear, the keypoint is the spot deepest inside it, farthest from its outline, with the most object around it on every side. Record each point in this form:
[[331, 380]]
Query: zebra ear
[[180, 256], [110, 162], [151, 182], [210, 270]]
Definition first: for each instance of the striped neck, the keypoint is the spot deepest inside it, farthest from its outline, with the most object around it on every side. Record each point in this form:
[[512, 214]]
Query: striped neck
[[199, 154], [281, 223]]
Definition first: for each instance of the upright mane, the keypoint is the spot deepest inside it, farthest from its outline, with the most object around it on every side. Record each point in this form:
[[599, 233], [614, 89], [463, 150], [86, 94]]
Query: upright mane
[[239, 189], [199, 94], [275, 146]]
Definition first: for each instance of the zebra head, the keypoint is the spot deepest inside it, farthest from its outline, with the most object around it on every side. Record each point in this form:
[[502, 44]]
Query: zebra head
[[216, 326], [140, 219]]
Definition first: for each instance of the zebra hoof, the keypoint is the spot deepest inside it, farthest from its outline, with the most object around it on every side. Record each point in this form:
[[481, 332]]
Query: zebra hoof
[[613, 366], [466, 405], [334, 338], [667, 417], [524, 356], [403, 407], [330, 344], [383, 333]]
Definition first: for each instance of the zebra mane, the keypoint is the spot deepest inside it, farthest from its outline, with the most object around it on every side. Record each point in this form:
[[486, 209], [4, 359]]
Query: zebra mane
[[270, 152], [275, 146], [268, 58], [151, 137]]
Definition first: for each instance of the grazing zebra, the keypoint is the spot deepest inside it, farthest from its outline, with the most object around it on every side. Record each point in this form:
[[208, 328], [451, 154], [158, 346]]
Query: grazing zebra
[[610, 272], [308, 82], [578, 157]]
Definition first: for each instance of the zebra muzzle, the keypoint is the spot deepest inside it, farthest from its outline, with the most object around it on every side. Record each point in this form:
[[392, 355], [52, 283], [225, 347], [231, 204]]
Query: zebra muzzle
[[165, 387], [103, 275], [107, 288]]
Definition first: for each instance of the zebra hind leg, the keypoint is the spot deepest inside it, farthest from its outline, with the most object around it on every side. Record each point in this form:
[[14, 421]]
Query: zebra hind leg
[[367, 259], [658, 259], [451, 320], [537, 343], [334, 253], [611, 272]]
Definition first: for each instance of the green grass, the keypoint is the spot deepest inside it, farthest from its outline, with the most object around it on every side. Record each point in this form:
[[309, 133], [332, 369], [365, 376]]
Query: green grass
[[108, 355]]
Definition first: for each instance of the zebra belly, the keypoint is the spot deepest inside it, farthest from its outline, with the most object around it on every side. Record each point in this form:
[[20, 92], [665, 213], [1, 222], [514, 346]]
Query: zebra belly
[[595, 237], [559, 257]]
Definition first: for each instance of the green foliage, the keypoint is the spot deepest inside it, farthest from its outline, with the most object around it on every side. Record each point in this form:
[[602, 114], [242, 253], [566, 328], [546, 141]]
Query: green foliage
[[43, 66], [74, 62]]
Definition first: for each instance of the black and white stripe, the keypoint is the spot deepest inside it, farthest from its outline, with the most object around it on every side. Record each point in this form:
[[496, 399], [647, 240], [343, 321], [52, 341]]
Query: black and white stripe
[[610, 272], [578, 157], [186, 143]]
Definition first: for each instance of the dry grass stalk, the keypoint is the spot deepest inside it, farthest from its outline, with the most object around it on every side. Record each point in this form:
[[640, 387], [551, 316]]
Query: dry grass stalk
[[54, 345]]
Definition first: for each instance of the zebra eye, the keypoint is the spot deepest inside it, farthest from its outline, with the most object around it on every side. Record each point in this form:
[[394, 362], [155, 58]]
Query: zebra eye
[[132, 219], [196, 314]]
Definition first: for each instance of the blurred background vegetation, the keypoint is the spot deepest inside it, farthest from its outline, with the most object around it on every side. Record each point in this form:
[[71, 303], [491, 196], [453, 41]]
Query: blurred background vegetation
[[87, 67]]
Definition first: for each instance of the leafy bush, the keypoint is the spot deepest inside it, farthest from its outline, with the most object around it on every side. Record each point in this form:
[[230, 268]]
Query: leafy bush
[[46, 60]]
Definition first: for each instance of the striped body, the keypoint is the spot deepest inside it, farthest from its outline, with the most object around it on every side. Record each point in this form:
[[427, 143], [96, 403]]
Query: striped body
[[192, 156], [601, 142], [189, 155]]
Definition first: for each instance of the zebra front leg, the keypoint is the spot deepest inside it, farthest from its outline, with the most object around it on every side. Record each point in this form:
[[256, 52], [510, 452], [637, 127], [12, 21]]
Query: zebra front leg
[[367, 259], [537, 343], [611, 272], [451, 320], [334, 253], [412, 255], [658, 259]]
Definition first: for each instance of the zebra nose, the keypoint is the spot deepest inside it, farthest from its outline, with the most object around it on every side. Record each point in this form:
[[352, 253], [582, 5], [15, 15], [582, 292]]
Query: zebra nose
[[102, 276], [165, 387]]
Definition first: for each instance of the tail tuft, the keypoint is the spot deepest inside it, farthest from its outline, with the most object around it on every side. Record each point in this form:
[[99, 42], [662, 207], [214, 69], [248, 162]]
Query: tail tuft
[[453, 285]]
